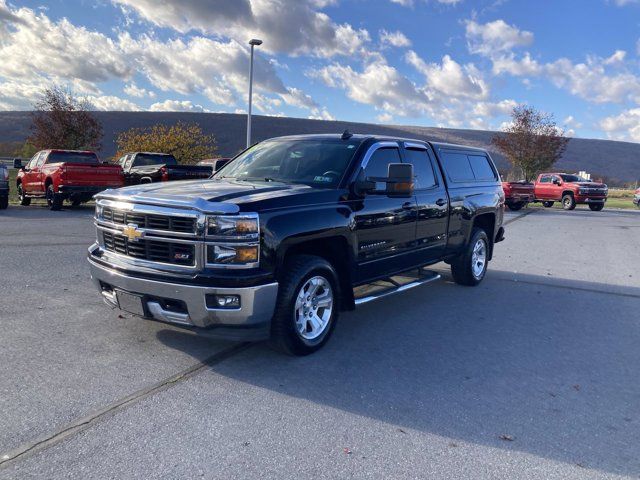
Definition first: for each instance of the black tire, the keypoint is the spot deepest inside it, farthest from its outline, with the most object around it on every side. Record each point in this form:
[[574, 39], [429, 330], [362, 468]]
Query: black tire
[[285, 335], [596, 207], [547, 204], [76, 203], [54, 200], [4, 203], [568, 202], [24, 201], [516, 206], [462, 268]]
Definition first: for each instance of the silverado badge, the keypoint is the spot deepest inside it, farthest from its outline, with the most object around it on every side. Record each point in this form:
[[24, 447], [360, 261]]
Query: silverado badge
[[132, 233]]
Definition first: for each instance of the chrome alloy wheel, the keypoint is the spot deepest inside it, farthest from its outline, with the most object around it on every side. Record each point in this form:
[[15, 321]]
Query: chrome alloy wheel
[[313, 308], [479, 258]]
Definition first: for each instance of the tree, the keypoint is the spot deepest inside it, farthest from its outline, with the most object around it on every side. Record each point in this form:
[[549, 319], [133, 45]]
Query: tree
[[532, 142], [185, 141], [61, 120]]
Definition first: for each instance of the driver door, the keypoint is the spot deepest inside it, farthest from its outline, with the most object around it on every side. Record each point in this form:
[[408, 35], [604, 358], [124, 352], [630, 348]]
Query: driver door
[[385, 226]]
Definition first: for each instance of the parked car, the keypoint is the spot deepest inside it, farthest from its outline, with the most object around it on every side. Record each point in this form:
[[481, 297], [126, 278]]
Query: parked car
[[571, 190], [147, 167], [4, 187], [216, 163], [636, 198], [59, 175], [518, 194], [294, 230]]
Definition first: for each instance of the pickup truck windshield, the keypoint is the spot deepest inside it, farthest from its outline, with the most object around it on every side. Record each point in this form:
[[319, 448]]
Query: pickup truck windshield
[[144, 159], [573, 178], [72, 157], [316, 162]]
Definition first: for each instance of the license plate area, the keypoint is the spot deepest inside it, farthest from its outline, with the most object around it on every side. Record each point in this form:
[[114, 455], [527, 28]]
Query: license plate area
[[130, 302]]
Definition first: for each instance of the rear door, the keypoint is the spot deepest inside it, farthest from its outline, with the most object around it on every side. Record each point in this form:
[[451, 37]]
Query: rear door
[[385, 226], [432, 203]]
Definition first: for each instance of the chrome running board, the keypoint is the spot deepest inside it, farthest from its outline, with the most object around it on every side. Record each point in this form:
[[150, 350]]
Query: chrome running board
[[392, 285]]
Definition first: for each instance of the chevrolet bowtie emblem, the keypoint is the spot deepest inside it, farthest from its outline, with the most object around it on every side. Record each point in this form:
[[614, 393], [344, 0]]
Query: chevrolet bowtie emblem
[[132, 233]]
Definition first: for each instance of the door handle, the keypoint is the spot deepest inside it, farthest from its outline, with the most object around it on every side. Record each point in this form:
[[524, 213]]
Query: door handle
[[441, 202], [408, 205]]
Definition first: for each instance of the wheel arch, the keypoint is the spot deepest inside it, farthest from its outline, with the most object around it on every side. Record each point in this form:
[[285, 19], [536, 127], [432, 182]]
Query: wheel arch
[[487, 222]]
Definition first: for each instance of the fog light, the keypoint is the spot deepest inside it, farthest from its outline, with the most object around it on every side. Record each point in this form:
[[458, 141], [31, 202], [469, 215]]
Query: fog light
[[223, 301]]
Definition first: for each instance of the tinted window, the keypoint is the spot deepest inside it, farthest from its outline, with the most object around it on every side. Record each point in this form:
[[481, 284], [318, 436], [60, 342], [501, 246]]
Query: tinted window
[[378, 165], [481, 167], [573, 178], [315, 162], [422, 169], [144, 159], [72, 157], [545, 179], [457, 167]]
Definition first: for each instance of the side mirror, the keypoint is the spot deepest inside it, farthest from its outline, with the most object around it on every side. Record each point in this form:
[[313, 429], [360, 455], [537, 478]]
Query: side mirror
[[557, 182], [400, 180], [17, 163]]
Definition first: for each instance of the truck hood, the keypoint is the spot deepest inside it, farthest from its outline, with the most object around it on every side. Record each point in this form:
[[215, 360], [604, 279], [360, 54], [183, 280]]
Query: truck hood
[[589, 184], [207, 196]]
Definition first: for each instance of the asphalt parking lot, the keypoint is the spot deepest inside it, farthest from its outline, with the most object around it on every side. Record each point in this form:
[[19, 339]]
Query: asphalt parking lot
[[533, 374]]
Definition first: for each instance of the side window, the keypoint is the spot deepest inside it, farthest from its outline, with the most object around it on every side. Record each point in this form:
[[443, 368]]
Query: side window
[[457, 167], [33, 161], [41, 159], [378, 165], [129, 162], [422, 168], [481, 167], [122, 160], [545, 179]]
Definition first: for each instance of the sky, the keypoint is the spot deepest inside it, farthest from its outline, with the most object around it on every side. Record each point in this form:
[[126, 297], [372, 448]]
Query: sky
[[445, 63]]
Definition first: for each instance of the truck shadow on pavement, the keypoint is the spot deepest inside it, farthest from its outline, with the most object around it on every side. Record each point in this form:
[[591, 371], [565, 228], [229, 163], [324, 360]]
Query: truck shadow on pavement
[[517, 363]]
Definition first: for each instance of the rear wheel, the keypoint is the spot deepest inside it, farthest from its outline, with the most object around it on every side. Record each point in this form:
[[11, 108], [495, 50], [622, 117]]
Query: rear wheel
[[568, 202], [471, 267], [24, 200], [54, 200], [596, 207], [307, 306], [76, 203], [516, 206], [4, 203], [547, 204]]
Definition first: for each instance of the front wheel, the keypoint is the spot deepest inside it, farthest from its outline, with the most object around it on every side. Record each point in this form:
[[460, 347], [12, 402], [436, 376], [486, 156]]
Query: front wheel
[[54, 200], [568, 202], [307, 306], [24, 200], [596, 207], [471, 266], [547, 204]]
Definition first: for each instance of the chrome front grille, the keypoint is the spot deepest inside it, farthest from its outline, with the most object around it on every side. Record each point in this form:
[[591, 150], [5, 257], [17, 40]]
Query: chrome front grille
[[151, 250], [150, 221]]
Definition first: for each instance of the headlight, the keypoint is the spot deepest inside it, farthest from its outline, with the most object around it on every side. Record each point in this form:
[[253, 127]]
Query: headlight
[[239, 227], [229, 254]]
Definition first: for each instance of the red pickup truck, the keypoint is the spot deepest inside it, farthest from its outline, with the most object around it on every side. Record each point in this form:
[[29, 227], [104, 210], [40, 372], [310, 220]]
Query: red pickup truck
[[59, 175], [518, 194], [571, 190]]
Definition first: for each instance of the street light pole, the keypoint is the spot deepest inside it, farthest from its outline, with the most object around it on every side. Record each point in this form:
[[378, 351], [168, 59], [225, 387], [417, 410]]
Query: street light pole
[[253, 42]]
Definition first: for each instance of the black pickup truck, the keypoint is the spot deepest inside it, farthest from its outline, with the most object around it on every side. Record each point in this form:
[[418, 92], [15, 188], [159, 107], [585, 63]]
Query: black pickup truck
[[4, 187], [295, 229], [147, 167]]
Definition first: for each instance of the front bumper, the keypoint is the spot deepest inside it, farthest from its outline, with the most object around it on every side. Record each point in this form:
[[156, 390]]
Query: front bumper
[[590, 199], [251, 321]]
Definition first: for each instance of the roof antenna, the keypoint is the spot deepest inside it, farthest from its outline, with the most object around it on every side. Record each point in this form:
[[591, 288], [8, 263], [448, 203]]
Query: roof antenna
[[346, 135]]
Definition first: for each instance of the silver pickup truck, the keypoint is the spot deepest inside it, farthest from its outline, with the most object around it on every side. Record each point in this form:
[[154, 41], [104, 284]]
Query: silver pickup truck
[[4, 187]]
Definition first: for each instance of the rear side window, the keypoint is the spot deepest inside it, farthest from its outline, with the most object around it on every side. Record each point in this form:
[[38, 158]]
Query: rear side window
[[422, 169], [72, 157], [481, 167], [458, 167], [545, 179], [144, 159]]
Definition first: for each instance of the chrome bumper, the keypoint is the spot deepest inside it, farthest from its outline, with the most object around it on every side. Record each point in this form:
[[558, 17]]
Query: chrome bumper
[[257, 303]]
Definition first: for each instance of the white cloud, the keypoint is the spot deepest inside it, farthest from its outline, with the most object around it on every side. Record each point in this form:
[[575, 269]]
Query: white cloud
[[570, 121], [410, 3], [450, 78], [294, 27], [625, 126], [395, 39], [384, 118], [134, 91], [497, 36], [112, 103], [321, 114], [616, 58], [176, 106], [494, 109]]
